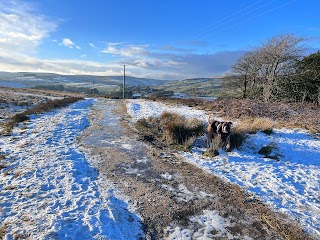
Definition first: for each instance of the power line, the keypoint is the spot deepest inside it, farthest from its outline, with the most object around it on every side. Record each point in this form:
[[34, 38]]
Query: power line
[[244, 14], [271, 10], [205, 29]]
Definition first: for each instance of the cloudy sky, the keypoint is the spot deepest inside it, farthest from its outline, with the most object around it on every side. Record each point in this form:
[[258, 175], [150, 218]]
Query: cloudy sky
[[156, 39]]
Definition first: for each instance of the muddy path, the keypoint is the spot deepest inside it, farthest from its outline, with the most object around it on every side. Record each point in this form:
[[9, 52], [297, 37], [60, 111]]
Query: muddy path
[[168, 192]]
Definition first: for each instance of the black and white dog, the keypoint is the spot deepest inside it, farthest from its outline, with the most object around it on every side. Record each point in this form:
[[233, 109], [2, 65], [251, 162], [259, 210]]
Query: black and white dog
[[218, 134]]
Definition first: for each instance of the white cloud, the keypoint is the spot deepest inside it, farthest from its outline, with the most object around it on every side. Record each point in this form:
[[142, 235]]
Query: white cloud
[[67, 42], [125, 50], [21, 30], [74, 66], [175, 67]]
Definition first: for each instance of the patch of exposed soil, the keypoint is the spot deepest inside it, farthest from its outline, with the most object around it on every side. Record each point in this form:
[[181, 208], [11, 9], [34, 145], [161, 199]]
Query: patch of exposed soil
[[165, 189]]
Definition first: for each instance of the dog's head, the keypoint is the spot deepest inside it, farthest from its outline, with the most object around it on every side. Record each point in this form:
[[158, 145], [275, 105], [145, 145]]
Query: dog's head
[[215, 125], [226, 127]]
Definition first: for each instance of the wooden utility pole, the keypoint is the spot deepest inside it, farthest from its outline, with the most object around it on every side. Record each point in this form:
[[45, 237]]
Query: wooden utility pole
[[124, 81]]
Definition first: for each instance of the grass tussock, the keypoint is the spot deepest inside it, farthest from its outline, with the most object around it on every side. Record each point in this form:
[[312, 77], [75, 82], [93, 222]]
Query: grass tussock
[[176, 130], [172, 129], [2, 166], [269, 151], [2, 156], [266, 150], [3, 230], [249, 126], [287, 229], [179, 130], [253, 125], [237, 138], [40, 108]]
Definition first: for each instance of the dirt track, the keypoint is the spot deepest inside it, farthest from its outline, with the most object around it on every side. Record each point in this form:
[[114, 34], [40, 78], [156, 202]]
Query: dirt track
[[165, 189]]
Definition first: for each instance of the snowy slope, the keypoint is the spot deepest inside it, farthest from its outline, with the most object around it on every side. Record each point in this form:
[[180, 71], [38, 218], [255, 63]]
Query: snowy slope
[[49, 189], [291, 185]]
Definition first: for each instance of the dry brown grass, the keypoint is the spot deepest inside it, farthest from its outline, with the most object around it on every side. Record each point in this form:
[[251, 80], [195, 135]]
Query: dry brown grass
[[268, 151], [290, 115], [40, 108], [3, 230], [18, 174], [7, 172], [253, 125], [179, 130], [2, 166], [172, 129], [236, 138], [122, 108], [8, 188]]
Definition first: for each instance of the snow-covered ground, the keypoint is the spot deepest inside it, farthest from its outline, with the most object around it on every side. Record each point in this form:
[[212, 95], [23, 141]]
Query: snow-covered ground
[[290, 184], [143, 109], [49, 188]]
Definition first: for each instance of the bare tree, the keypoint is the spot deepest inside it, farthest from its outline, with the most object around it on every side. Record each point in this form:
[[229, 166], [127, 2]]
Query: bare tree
[[246, 73], [279, 56], [264, 66], [242, 69]]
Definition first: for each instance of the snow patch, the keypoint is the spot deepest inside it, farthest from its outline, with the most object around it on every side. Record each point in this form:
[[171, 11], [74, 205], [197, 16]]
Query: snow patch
[[209, 225], [50, 189]]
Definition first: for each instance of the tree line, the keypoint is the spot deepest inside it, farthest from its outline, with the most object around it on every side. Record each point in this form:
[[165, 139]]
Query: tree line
[[277, 70]]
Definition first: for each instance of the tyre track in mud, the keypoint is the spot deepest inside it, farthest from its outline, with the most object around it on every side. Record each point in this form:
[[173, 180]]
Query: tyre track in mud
[[167, 191]]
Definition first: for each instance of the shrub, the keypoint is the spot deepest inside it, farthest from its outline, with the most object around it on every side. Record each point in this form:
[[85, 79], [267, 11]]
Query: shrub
[[149, 126], [142, 123], [3, 229], [171, 128], [20, 117], [2, 166], [179, 130], [237, 138], [252, 125], [267, 151]]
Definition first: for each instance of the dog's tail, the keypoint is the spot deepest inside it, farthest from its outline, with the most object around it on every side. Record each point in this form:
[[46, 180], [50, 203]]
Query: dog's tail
[[211, 118]]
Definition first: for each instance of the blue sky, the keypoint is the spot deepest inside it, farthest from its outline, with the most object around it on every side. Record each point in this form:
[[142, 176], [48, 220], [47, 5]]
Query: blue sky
[[168, 39]]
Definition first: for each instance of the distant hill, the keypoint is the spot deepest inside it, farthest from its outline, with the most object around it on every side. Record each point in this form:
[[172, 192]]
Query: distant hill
[[197, 87], [56, 81]]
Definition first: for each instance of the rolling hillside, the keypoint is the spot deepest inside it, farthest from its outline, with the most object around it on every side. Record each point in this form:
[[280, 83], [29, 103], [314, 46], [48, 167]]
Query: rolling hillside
[[195, 87], [57, 82]]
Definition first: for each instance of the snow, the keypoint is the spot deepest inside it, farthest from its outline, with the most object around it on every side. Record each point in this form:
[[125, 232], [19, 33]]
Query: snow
[[50, 189], [290, 184], [212, 226], [144, 109]]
